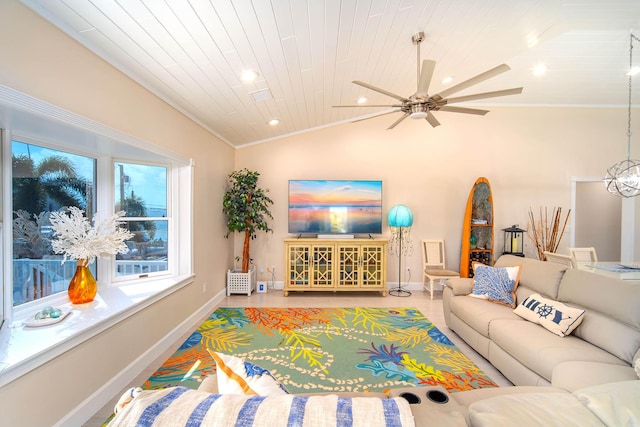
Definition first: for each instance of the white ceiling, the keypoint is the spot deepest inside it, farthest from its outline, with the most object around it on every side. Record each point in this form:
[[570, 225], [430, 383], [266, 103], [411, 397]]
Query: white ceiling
[[306, 52]]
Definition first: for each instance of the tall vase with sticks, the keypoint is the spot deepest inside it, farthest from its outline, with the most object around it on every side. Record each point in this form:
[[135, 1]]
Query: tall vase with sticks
[[547, 230]]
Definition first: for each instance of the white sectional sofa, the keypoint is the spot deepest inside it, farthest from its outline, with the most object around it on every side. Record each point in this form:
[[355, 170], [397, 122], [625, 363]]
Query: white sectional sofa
[[600, 350]]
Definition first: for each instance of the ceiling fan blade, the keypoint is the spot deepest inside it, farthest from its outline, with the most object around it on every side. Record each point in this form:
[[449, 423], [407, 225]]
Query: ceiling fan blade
[[496, 93], [464, 110], [428, 66], [432, 120], [376, 115], [472, 81], [363, 105], [382, 91], [404, 116]]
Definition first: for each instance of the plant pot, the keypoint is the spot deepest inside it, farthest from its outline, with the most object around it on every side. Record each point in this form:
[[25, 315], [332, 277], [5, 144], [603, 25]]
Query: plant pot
[[241, 283]]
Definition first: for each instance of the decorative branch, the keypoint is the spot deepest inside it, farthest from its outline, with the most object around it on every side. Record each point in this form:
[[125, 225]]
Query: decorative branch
[[546, 235]]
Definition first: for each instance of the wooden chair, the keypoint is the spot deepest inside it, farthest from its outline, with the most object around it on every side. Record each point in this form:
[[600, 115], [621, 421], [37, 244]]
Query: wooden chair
[[560, 259], [434, 263], [584, 255]]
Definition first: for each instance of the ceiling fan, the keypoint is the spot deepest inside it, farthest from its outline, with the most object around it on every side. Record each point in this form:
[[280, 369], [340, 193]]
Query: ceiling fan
[[421, 104]]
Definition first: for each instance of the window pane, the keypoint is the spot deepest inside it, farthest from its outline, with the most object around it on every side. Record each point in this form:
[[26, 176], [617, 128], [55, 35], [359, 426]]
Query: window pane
[[43, 181], [141, 191], [147, 249]]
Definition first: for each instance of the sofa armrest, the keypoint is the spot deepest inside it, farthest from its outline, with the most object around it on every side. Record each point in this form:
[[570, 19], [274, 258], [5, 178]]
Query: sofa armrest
[[460, 285]]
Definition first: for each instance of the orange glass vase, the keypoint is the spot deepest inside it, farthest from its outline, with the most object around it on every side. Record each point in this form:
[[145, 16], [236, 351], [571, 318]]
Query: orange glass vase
[[83, 286]]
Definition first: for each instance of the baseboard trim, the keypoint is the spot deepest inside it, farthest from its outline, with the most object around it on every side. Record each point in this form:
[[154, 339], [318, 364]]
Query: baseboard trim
[[92, 404]]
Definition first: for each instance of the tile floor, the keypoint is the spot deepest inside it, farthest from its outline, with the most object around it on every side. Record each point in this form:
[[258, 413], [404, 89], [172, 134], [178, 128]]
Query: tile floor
[[432, 309]]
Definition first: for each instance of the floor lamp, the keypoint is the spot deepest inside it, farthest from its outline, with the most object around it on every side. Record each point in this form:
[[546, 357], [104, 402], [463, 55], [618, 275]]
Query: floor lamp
[[400, 220]]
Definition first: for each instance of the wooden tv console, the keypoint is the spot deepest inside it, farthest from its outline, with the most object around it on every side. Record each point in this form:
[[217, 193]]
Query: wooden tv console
[[313, 264]]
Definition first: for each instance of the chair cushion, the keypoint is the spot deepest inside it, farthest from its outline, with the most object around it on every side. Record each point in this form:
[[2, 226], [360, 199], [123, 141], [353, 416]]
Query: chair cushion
[[440, 272]]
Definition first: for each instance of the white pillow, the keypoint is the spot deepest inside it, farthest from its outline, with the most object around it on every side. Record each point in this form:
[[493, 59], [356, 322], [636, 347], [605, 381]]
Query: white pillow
[[235, 376], [552, 315]]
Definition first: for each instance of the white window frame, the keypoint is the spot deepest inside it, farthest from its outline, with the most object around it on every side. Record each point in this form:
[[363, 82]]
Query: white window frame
[[23, 116], [170, 225]]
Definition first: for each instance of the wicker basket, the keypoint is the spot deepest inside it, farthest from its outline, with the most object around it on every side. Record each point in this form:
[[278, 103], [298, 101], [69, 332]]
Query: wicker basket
[[241, 283]]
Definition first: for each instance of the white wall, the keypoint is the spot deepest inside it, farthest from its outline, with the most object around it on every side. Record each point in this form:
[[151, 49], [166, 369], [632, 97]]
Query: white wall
[[528, 154], [43, 62]]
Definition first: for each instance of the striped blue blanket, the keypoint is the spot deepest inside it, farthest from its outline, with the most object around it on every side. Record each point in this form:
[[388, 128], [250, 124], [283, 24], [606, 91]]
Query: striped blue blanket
[[180, 406]]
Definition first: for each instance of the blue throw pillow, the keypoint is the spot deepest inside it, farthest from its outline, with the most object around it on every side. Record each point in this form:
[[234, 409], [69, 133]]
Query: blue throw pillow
[[496, 284]]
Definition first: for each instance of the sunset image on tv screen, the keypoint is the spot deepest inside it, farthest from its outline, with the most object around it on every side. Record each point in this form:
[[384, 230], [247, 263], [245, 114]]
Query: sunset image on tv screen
[[335, 206]]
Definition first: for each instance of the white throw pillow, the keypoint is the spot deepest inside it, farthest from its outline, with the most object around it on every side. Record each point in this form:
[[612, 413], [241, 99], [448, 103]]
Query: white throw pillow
[[235, 376], [555, 316]]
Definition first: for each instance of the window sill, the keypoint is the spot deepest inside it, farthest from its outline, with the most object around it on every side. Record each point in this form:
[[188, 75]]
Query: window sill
[[23, 348]]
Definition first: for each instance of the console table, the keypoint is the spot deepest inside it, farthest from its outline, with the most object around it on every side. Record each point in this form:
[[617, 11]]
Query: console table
[[313, 264]]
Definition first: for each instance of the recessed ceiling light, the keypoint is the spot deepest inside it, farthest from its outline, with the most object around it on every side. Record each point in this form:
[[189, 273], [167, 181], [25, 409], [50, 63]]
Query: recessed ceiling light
[[361, 100], [447, 80], [633, 71], [248, 76], [273, 122], [539, 70]]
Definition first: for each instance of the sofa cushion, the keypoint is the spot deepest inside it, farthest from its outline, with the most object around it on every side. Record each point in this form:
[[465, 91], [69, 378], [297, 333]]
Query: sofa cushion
[[541, 277], [540, 350], [496, 284], [552, 315], [612, 318], [615, 404], [478, 313], [531, 409], [175, 406], [576, 375]]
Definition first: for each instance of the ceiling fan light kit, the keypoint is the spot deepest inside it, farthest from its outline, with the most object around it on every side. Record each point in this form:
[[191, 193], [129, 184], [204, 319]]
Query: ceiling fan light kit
[[623, 178], [420, 105]]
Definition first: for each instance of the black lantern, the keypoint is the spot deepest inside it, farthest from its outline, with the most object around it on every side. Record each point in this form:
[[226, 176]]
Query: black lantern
[[513, 241]]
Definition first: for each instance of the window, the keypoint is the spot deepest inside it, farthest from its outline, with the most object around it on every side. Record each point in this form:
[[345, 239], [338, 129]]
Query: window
[[141, 192], [40, 130], [44, 180]]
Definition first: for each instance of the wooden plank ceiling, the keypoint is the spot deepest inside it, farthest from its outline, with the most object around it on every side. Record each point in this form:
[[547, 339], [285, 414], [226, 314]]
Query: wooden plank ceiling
[[191, 53]]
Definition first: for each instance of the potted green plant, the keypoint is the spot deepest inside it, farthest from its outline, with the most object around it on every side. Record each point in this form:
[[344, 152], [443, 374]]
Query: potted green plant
[[246, 207]]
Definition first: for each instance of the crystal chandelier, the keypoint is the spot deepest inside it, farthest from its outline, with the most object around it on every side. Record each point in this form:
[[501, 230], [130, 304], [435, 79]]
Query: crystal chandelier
[[623, 178]]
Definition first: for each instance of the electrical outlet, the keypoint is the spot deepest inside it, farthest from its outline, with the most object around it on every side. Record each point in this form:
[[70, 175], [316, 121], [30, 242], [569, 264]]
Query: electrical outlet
[[261, 269], [204, 287]]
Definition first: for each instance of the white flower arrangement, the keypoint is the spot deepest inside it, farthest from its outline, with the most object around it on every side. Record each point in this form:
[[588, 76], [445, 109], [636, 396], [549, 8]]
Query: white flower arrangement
[[77, 238]]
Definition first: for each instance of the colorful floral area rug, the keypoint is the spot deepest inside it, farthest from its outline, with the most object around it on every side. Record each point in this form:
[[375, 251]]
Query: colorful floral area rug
[[326, 349]]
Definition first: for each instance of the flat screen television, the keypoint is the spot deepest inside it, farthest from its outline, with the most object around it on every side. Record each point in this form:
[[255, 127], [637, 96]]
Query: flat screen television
[[335, 207]]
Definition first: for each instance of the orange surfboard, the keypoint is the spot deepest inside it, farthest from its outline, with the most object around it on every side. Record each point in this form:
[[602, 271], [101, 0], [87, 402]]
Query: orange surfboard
[[477, 229]]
